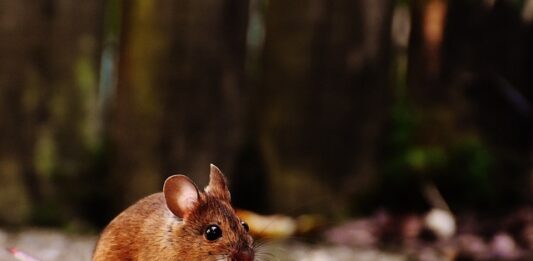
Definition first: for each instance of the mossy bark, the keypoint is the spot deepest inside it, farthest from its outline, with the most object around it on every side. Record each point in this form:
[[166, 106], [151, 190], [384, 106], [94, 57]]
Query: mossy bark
[[48, 74], [322, 101]]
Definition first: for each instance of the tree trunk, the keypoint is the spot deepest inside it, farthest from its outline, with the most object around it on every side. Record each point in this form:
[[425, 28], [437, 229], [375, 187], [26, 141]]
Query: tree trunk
[[48, 77], [324, 100], [180, 92]]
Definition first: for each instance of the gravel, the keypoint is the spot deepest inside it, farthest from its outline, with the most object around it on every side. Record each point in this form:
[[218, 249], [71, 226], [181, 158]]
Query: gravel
[[51, 245], [47, 245]]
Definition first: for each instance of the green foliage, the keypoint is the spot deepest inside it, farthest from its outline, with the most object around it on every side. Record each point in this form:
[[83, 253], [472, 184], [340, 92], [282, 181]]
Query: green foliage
[[403, 123], [467, 179], [423, 159], [474, 156], [461, 166]]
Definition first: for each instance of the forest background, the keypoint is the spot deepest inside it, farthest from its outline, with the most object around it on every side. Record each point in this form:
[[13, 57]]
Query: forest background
[[309, 106]]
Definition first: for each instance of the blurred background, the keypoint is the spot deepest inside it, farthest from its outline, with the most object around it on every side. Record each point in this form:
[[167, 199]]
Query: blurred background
[[335, 108]]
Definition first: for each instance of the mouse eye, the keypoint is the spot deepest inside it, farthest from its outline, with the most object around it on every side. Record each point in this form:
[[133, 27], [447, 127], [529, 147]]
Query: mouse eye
[[245, 225], [213, 232]]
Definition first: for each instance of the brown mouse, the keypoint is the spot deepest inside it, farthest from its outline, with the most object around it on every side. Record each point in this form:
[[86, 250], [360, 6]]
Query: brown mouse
[[181, 223]]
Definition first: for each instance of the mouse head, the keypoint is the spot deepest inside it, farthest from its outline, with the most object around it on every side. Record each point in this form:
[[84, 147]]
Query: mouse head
[[207, 223]]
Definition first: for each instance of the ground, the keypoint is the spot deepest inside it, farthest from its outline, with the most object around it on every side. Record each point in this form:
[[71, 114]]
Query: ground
[[50, 245]]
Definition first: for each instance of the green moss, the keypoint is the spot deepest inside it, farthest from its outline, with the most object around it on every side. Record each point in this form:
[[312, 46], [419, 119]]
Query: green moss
[[86, 81], [45, 153], [14, 203]]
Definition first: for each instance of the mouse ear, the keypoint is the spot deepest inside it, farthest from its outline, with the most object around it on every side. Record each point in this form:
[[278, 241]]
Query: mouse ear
[[217, 185], [181, 195]]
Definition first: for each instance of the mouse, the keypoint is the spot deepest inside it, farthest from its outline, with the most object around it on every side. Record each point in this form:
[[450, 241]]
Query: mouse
[[180, 223]]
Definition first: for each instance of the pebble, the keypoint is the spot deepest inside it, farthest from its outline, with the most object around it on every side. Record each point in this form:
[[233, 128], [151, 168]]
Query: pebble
[[52, 245], [47, 245], [504, 246]]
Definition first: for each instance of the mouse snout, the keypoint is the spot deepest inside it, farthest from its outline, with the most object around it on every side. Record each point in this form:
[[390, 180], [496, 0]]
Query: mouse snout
[[243, 255]]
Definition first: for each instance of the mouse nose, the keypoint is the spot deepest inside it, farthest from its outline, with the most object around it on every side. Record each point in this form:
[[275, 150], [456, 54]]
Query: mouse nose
[[244, 255]]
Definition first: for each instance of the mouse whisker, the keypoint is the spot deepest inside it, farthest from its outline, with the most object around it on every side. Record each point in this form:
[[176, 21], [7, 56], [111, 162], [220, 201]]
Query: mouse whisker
[[261, 251], [265, 257]]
